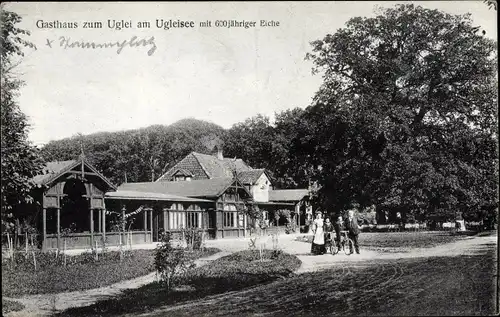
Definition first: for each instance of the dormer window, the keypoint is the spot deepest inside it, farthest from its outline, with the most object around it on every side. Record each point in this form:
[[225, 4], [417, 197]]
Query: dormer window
[[182, 175]]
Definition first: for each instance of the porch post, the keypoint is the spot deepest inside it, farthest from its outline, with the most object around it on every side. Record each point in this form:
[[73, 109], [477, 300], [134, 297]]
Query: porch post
[[297, 213], [123, 225], [99, 223], [145, 225], [123, 218], [44, 243], [58, 227], [151, 224], [298, 217], [91, 228], [245, 225], [103, 225], [165, 219]]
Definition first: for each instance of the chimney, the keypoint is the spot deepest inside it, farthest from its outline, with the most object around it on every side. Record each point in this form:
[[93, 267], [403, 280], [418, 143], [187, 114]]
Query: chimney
[[219, 154]]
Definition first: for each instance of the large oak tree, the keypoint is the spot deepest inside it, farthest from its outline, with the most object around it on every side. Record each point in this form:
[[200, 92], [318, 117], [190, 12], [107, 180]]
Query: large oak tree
[[407, 115]]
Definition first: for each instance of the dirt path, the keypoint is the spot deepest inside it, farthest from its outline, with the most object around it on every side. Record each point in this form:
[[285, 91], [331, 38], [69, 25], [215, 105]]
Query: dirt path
[[47, 304], [467, 246], [317, 262]]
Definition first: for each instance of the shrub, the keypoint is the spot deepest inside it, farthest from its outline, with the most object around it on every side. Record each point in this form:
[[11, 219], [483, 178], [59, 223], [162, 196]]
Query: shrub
[[170, 263], [193, 238]]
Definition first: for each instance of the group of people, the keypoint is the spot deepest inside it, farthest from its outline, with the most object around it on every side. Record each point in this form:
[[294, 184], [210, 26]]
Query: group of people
[[323, 232]]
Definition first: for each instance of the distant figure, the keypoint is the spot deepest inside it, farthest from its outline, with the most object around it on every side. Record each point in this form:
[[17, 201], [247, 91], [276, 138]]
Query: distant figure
[[318, 243], [328, 230], [352, 227], [339, 226]]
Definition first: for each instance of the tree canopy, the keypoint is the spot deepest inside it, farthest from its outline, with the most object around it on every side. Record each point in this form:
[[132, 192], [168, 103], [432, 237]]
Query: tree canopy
[[140, 155], [20, 159], [416, 91]]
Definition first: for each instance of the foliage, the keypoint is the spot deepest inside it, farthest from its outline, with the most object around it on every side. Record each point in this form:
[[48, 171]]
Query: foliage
[[491, 4], [139, 155], [251, 141], [11, 306], [265, 145], [406, 116], [193, 238], [20, 159], [81, 272], [367, 216], [254, 212], [170, 263]]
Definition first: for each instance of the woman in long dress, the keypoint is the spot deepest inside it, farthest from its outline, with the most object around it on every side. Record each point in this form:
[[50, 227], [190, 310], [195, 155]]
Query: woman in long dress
[[318, 243]]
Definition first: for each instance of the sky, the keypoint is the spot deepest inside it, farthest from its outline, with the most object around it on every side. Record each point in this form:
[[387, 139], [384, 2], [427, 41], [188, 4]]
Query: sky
[[221, 75]]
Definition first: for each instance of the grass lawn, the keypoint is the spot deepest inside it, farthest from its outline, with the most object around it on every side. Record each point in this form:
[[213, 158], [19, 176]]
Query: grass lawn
[[400, 241], [9, 306], [439, 286], [230, 273], [80, 273]]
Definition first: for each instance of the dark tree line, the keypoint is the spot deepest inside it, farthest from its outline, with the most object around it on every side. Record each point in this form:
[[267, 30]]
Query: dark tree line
[[141, 155]]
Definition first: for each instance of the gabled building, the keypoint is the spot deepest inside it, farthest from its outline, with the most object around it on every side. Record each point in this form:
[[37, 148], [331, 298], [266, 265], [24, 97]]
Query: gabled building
[[197, 166], [71, 196]]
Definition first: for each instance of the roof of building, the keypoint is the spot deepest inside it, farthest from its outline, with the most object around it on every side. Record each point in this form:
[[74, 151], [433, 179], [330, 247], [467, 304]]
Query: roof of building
[[204, 166], [288, 194], [210, 188], [250, 177], [139, 195], [54, 170]]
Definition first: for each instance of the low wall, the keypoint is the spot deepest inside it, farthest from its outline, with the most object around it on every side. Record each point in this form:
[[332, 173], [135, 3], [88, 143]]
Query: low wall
[[83, 240]]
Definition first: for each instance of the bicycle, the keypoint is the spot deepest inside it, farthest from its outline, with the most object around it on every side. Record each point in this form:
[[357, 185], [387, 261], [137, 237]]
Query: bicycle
[[345, 242]]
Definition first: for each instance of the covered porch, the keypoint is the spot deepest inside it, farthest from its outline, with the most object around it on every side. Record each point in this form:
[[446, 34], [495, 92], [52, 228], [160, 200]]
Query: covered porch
[[144, 216]]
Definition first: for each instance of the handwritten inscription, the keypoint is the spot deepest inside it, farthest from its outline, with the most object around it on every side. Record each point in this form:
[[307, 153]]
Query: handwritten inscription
[[66, 43]]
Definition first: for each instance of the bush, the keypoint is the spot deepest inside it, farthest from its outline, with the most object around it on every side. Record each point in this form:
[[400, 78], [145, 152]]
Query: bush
[[171, 263], [193, 238]]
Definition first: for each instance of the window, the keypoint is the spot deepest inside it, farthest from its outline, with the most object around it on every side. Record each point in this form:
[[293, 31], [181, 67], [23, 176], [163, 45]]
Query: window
[[230, 215], [228, 219], [230, 197], [177, 217], [193, 219], [241, 220]]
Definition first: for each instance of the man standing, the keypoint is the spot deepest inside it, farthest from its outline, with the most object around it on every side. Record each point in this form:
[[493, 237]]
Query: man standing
[[352, 228], [338, 225]]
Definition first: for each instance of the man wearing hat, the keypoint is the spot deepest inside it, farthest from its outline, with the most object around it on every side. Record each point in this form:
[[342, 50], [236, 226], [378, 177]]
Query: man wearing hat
[[353, 229]]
